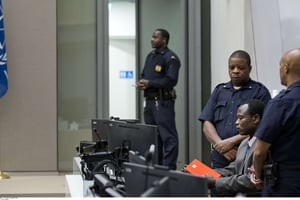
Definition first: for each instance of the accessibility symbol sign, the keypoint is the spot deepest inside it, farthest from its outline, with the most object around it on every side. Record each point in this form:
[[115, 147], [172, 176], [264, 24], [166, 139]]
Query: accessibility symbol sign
[[126, 74]]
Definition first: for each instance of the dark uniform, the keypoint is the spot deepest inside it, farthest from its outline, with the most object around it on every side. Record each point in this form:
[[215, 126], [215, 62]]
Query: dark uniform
[[161, 69], [280, 126], [221, 110]]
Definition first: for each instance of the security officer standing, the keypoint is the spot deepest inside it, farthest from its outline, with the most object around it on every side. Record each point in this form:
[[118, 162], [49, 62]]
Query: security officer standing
[[219, 114], [279, 134], [158, 79]]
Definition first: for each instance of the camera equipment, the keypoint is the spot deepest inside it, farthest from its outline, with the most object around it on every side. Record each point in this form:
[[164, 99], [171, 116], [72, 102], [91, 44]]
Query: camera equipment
[[115, 142], [86, 147]]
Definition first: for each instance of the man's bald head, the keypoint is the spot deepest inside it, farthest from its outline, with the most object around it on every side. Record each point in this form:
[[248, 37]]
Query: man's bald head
[[290, 67]]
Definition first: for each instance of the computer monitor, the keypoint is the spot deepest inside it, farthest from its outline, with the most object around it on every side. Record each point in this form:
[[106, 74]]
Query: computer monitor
[[99, 129], [161, 188], [140, 180], [134, 136]]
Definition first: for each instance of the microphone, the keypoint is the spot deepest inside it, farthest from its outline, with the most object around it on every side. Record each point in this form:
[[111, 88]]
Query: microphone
[[148, 157], [150, 154]]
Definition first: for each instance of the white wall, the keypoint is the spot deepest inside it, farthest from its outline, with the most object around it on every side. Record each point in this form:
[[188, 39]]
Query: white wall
[[122, 92], [264, 28], [267, 40], [275, 32], [289, 23], [230, 28]]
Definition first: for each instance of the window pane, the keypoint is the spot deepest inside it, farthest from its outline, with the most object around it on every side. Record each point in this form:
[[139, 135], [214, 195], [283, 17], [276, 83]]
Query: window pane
[[76, 76]]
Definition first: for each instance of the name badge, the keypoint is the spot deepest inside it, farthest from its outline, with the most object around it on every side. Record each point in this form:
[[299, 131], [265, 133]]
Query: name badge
[[158, 68]]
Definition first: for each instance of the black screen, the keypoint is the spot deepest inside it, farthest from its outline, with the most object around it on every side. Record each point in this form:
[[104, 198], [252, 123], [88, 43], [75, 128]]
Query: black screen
[[134, 136], [140, 178], [160, 188], [99, 129]]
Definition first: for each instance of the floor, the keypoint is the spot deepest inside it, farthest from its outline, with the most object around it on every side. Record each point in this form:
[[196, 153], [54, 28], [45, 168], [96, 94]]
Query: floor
[[45, 184]]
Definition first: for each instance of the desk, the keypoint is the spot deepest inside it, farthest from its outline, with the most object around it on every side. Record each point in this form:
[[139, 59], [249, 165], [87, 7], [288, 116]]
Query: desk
[[76, 185]]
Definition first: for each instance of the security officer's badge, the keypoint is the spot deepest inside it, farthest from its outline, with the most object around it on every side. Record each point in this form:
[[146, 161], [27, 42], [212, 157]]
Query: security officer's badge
[[158, 68]]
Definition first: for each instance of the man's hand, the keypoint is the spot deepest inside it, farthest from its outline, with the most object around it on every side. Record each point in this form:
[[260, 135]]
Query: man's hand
[[210, 181], [224, 145], [142, 84], [231, 154], [257, 182]]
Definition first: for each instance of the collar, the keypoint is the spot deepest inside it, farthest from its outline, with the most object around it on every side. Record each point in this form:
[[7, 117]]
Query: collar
[[229, 85], [162, 51], [293, 85], [251, 141], [288, 89]]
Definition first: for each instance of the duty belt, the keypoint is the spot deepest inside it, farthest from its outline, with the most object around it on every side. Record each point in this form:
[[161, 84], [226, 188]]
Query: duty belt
[[162, 95], [155, 98]]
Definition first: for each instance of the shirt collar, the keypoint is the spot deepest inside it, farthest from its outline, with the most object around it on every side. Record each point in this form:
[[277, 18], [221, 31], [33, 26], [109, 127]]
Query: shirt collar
[[296, 84], [229, 85], [288, 89], [163, 51], [251, 141]]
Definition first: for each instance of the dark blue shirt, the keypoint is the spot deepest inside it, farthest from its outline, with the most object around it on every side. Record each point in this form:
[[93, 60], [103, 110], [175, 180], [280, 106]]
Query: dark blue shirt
[[280, 125], [221, 108], [161, 69]]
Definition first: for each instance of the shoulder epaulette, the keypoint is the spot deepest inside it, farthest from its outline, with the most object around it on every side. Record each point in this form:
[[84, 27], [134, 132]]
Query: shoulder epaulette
[[221, 84]]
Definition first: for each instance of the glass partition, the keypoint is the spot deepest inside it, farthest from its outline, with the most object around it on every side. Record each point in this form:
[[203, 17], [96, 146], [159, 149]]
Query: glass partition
[[79, 80], [76, 76]]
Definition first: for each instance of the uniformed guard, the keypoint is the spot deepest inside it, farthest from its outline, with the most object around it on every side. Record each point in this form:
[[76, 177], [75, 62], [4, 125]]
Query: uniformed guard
[[219, 114], [279, 134], [158, 79]]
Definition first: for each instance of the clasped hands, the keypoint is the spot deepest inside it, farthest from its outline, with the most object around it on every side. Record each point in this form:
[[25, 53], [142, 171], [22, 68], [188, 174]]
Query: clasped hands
[[142, 84], [227, 149], [258, 183]]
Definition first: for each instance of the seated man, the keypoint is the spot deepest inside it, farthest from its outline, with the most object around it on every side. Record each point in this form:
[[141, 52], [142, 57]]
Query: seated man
[[235, 179]]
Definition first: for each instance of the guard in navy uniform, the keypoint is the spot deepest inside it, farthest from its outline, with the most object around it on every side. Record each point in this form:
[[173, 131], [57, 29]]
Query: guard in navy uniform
[[219, 114], [276, 157], [158, 79]]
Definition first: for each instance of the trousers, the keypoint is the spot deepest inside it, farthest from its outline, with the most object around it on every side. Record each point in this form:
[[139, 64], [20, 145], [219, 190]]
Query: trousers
[[161, 113]]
